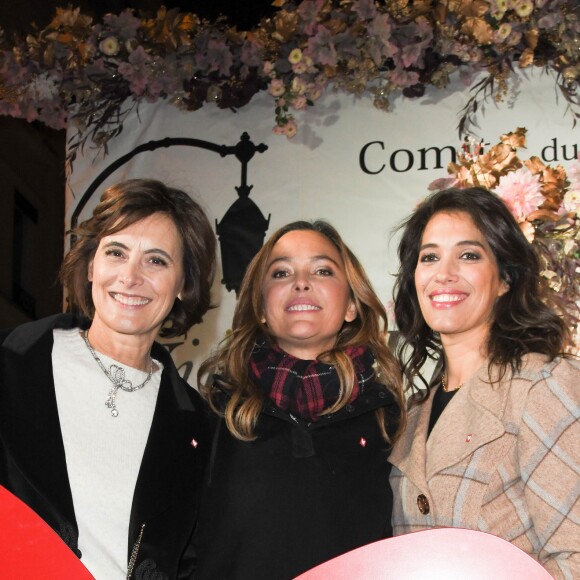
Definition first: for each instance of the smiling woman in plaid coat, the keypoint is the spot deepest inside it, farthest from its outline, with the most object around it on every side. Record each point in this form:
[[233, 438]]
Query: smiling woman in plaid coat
[[492, 444]]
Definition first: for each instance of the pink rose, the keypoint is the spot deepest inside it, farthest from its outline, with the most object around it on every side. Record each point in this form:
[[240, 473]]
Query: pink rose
[[276, 87], [291, 129], [521, 191], [299, 102]]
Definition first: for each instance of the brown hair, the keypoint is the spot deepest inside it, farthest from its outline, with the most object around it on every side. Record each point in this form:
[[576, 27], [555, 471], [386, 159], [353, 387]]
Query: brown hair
[[522, 321], [124, 204], [231, 361]]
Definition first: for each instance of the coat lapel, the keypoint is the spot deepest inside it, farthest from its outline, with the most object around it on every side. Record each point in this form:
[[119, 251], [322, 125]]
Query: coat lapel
[[408, 454], [472, 419], [174, 454]]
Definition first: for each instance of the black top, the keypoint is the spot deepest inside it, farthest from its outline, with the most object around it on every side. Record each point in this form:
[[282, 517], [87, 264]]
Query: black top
[[441, 399]]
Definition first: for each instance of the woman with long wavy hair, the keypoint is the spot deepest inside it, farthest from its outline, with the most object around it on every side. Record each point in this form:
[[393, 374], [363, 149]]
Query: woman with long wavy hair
[[492, 442], [308, 401]]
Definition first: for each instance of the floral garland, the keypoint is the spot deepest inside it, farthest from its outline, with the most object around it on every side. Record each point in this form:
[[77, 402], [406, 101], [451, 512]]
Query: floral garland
[[83, 74], [546, 203]]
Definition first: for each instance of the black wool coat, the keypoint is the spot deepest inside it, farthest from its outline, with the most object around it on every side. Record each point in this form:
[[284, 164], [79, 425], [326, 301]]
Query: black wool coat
[[33, 465], [300, 494]]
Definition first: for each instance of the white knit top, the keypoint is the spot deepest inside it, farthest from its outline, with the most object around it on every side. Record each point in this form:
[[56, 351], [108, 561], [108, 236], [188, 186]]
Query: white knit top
[[103, 453]]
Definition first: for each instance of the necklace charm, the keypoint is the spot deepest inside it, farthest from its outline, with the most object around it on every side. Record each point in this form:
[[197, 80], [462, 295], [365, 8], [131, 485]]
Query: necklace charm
[[116, 375], [110, 402]]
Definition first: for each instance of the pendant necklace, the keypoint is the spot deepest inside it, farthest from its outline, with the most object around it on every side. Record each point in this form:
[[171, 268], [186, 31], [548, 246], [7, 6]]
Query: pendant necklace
[[445, 388], [116, 375]]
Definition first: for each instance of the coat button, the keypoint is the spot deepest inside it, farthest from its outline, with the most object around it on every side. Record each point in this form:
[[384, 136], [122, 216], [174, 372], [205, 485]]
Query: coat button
[[423, 504]]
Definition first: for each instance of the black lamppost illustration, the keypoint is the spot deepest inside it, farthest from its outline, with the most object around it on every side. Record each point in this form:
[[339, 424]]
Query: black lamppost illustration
[[242, 229]]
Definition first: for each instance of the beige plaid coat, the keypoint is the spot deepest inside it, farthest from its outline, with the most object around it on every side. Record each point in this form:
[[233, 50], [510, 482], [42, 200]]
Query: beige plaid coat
[[503, 459]]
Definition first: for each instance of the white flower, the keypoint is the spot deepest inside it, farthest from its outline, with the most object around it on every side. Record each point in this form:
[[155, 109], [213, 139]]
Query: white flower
[[503, 31], [295, 56], [43, 88], [572, 201], [524, 8], [109, 46]]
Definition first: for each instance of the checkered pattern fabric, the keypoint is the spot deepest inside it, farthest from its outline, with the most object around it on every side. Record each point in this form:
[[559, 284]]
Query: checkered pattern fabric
[[304, 387], [503, 459]]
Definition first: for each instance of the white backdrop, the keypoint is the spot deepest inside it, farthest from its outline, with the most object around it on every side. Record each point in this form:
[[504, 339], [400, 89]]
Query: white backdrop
[[318, 173]]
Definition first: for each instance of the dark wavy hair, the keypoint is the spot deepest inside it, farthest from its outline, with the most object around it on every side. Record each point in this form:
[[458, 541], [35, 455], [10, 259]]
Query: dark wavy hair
[[232, 360], [522, 321], [124, 204]]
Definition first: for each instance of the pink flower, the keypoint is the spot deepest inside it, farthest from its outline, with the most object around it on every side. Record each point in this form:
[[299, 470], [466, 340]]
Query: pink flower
[[300, 67], [574, 174], [218, 56], [288, 128], [251, 54], [365, 9], [309, 11], [315, 91], [291, 129], [299, 102], [137, 71], [276, 87], [322, 47], [44, 87], [443, 183], [390, 308], [268, 68], [411, 54], [403, 78], [125, 25], [521, 191]]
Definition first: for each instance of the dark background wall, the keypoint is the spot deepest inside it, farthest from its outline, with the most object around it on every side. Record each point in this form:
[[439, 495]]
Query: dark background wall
[[31, 220], [32, 163]]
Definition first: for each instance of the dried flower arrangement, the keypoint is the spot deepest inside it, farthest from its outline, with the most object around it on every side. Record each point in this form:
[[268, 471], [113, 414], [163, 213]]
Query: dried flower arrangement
[[88, 75], [544, 200]]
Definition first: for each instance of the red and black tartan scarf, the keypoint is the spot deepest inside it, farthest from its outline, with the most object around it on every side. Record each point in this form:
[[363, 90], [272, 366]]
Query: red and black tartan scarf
[[305, 387]]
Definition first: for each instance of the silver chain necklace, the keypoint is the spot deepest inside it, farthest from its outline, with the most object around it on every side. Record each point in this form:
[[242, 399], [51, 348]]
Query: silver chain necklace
[[116, 375]]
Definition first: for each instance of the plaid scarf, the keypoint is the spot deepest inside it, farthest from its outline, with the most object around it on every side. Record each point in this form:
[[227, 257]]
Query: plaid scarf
[[305, 387]]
